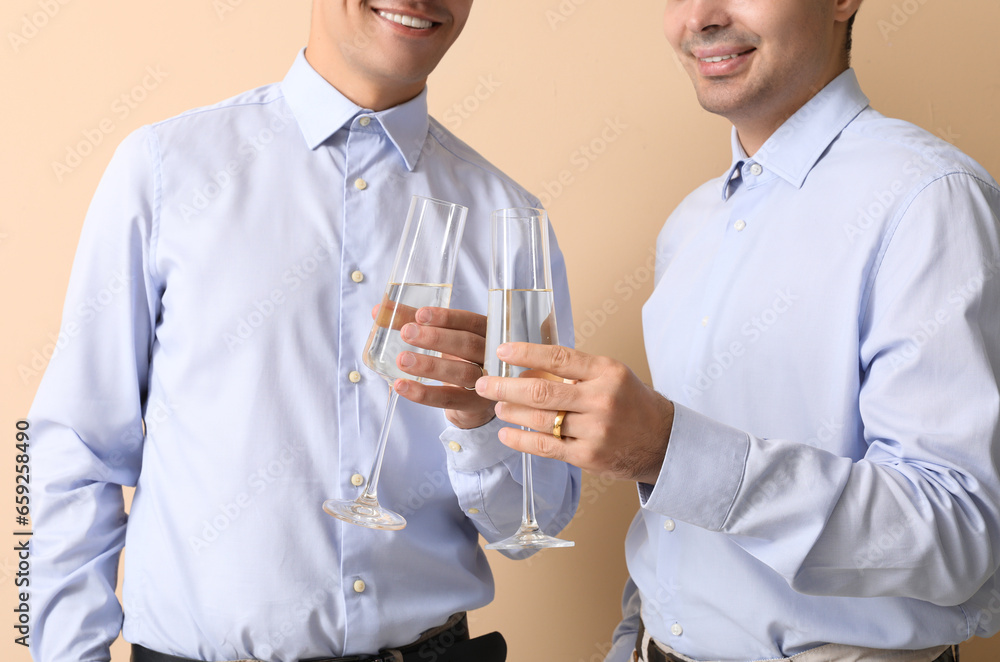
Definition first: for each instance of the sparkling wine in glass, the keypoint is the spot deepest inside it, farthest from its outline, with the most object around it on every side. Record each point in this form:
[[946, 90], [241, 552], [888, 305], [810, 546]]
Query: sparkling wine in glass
[[521, 309], [421, 275]]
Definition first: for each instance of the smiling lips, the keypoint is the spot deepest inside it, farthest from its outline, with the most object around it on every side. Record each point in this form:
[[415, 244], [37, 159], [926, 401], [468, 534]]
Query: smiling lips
[[722, 61], [408, 21]]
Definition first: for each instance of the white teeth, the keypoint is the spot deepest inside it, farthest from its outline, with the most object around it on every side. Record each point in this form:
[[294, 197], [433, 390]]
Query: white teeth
[[719, 58], [408, 21]]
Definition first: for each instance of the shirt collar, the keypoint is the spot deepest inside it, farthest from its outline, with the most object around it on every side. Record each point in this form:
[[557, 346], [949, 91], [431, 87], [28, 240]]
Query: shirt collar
[[321, 110], [795, 148]]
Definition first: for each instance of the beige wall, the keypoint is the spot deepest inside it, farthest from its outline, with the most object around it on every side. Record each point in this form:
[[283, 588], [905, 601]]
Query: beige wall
[[529, 83]]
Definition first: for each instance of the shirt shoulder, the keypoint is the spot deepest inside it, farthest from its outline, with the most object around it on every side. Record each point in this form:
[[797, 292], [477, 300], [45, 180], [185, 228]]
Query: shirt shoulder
[[245, 102], [465, 158], [902, 149]]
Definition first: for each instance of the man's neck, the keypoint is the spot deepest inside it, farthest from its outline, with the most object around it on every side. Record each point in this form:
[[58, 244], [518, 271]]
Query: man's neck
[[754, 130], [362, 92]]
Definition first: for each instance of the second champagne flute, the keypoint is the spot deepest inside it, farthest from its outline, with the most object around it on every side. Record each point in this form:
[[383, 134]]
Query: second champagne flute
[[421, 276], [521, 309]]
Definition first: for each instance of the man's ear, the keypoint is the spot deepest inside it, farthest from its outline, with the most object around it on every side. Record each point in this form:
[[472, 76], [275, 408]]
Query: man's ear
[[845, 9]]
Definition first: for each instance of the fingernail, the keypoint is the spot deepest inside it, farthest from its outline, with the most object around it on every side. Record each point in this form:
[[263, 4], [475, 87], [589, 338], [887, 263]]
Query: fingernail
[[503, 350], [406, 359], [502, 434], [401, 386], [409, 332], [481, 385], [423, 316]]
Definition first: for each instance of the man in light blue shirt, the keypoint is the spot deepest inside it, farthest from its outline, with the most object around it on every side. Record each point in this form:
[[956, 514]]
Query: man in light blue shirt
[[213, 331], [819, 477]]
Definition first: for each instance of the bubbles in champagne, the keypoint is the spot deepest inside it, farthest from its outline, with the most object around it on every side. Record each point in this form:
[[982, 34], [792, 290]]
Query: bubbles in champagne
[[399, 306]]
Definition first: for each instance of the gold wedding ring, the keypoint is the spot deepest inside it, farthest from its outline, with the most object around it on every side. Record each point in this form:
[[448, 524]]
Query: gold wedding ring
[[557, 424], [481, 368]]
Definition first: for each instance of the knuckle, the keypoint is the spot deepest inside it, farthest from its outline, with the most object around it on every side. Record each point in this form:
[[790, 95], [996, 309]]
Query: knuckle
[[602, 429], [604, 402], [538, 393], [560, 356], [545, 446]]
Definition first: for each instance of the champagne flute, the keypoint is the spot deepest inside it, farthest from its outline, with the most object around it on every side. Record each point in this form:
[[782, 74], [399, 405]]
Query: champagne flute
[[521, 309], [421, 275]]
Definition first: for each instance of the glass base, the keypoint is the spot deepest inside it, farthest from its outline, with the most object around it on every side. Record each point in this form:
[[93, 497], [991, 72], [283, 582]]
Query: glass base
[[530, 538], [364, 512]]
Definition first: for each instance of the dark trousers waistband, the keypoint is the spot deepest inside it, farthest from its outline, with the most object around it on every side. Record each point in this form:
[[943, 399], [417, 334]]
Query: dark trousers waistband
[[447, 643], [653, 653]]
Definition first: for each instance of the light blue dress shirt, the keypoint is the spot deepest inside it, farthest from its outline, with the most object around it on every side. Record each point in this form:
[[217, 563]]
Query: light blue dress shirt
[[212, 339], [826, 318]]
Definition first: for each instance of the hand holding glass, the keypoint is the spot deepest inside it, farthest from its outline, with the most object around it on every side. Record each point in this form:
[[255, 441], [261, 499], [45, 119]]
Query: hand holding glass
[[421, 275], [521, 309]]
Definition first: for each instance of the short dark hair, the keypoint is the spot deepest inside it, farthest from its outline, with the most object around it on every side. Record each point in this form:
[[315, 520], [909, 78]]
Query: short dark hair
[[850, 25]]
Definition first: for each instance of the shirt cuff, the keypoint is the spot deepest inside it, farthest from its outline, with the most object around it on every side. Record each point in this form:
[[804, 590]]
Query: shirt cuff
[[473, 450], [702, 471]]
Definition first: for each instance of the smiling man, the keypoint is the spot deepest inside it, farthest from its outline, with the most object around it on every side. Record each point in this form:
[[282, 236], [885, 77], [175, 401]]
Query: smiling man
[[818, 463], [246, 244]]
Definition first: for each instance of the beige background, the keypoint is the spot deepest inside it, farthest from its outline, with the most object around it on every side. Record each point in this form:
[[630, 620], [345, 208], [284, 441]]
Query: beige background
[[528, 84]]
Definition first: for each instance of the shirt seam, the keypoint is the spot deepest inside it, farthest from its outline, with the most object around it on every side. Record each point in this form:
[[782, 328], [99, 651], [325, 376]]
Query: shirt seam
[[433, 130], [891, 233], [221, 106], [154, 225], [149, 272], [739, 485]]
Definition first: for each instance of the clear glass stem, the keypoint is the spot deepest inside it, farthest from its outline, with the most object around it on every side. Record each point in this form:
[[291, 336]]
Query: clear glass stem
[[371, 488], [528, 495]]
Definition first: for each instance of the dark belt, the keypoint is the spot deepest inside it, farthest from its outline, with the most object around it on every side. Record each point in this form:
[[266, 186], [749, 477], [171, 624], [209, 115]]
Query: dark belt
[[452, 644], [655, 654]]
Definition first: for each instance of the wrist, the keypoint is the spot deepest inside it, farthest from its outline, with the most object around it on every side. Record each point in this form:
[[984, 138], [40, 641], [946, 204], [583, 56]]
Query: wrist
[[663, 422], [468, 420]]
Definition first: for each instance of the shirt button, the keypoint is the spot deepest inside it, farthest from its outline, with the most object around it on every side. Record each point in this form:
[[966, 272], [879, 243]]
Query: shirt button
[[704, 321], [357, 480], [357, 276], [359, 587], [455, 446], [676, 629], [473, 511], [365, 121], [755, 170], [360, 184], [740, 225], [669, 525], [354, 376]]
